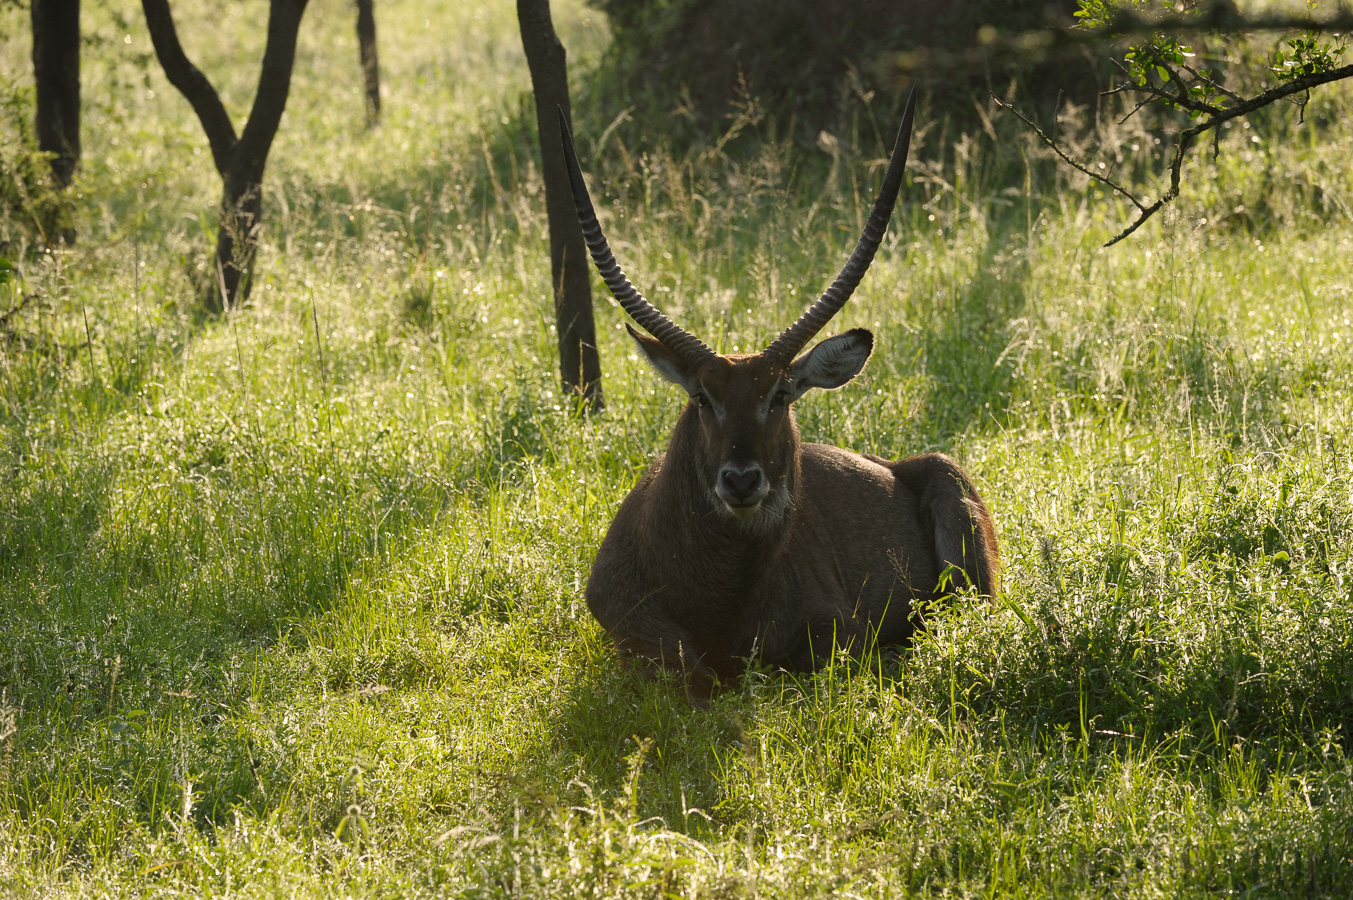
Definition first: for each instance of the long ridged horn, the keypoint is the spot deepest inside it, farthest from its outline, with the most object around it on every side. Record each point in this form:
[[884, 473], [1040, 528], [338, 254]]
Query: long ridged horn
[[793, 339], [673, 336]]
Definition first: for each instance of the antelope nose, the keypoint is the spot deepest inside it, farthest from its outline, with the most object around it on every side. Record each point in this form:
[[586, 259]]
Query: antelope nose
[[741, 484]]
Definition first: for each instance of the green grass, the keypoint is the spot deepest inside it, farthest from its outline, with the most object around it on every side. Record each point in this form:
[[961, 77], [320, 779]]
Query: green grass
[[291, 602]]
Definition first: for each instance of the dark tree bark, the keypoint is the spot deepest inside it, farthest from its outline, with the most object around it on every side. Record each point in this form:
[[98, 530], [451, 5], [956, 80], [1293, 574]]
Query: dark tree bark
[[371, 70], [56, 69], [579, 364], [240, 161]]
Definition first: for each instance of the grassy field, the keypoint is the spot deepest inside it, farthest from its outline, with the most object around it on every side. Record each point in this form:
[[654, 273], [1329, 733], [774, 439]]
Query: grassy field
[[291, 601]]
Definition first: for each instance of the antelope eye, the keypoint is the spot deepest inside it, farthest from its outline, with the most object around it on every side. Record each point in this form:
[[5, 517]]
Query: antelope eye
[[701, 400], [780, 397]]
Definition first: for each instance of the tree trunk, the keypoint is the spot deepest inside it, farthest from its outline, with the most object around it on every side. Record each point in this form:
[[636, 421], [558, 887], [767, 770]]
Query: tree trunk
[[236, 245], [371, 70], [56, 69], [239, 161], [579, 364]]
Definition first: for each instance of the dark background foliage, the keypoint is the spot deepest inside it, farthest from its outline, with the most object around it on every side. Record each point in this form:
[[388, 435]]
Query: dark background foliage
[[808, 59]]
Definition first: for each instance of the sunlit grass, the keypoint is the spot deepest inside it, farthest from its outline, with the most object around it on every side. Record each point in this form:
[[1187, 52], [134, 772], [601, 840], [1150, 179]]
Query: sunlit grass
[[291, 602]]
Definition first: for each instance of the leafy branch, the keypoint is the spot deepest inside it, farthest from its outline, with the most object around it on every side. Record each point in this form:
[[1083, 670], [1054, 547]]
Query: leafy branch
[[1162, 70], [1212, 118]]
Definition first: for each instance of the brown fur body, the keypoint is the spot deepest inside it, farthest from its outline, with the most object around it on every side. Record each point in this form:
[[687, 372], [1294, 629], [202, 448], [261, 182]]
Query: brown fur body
[[682, 584]]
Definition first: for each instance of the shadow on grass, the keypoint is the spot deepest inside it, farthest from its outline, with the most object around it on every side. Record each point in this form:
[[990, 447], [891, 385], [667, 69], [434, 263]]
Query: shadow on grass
[[961, 351], [145, 561], [643, 746]]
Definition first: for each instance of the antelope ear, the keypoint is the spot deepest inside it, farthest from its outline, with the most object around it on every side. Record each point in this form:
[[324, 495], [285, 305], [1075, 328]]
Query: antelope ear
[[831, 363], [669, 365]]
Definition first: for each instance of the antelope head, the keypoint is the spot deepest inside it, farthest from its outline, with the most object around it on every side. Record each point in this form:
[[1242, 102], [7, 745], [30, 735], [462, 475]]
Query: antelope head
[[748, 448]]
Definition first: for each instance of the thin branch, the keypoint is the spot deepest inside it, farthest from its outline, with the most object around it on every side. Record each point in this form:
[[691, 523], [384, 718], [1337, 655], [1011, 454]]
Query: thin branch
[[1136, 109], [1186, 138], [1153, 93], [14, 310], [1212, 82], [1052, 144], [191, 83], [1182, 98]]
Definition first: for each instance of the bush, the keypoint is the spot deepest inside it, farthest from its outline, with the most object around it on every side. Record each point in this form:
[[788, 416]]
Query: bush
[[32, 209]]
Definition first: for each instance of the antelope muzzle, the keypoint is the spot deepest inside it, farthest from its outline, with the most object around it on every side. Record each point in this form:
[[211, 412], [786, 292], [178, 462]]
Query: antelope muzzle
[[742, 487]]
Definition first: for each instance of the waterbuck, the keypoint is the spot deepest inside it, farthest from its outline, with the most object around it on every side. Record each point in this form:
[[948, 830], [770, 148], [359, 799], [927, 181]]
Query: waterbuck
[[743, 542]]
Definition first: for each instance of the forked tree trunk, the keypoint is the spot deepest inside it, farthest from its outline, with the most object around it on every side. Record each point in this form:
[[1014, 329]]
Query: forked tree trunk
[[371, 70], [579, 364], [240, 161], [56, 69]]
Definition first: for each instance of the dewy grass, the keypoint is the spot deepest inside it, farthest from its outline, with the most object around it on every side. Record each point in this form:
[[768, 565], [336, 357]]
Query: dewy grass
[[291, 602]]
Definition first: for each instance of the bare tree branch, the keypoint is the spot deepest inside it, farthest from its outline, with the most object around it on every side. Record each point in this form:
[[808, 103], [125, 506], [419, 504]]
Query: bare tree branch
[[19, 304], [274, 84], [1132, 112], [1208, 79], [1220, 16], [191, 83], [1186, 138], [1052, 145]]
